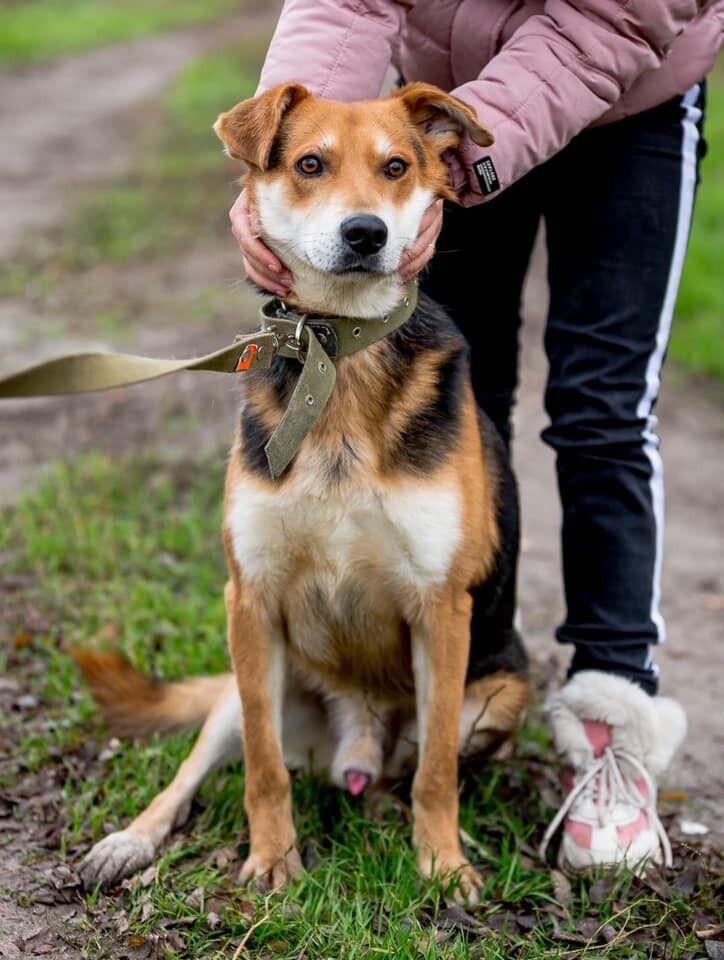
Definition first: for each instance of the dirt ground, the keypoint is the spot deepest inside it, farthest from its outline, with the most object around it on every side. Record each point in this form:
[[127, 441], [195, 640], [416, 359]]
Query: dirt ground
[[67, 124]]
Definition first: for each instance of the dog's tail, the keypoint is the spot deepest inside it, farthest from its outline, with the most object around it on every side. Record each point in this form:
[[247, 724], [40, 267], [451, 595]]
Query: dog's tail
[[135, 705]]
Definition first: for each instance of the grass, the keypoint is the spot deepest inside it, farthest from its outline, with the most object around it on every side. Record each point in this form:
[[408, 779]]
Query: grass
[[129, 554], [36, 30], [697, 338]]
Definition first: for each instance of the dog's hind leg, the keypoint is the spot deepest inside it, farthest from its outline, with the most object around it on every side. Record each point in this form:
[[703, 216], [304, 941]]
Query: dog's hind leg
[[121, 854]]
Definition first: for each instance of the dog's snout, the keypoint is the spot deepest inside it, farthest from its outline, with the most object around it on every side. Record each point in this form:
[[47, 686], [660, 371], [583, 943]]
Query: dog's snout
[[364, 233]]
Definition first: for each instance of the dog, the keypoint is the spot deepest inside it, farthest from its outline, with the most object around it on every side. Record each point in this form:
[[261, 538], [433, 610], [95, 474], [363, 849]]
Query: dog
[[353, 578]]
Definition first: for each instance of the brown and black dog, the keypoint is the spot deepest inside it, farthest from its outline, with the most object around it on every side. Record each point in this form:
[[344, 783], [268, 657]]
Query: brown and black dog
[[352, 579]]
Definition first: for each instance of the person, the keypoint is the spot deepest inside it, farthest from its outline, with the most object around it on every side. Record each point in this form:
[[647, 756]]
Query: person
[[596, 107]]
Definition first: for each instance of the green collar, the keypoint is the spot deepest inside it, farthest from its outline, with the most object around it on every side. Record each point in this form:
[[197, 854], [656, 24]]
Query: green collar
[[316, 341]]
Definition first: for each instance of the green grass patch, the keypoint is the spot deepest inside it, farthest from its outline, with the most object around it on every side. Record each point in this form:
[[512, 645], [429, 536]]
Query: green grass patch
[[129, 553], [697, 337], [36, 30]]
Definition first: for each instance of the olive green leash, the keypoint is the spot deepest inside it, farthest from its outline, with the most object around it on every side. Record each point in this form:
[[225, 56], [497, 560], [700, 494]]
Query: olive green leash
[[315, 341]]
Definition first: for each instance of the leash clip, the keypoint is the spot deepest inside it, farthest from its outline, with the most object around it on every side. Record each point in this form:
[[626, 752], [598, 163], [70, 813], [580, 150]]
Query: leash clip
[[295, 343]]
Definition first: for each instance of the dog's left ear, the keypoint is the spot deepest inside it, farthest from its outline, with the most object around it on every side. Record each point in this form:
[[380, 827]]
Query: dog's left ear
[[249, 129], [442, 118]]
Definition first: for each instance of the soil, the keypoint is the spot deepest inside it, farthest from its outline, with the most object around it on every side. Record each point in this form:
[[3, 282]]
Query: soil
[[66, 125]]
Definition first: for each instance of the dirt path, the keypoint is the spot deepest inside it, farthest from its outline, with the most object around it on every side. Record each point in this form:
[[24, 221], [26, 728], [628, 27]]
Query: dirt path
[[68, 124]]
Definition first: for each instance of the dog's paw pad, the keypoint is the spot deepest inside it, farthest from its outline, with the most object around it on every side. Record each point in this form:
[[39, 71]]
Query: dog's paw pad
[[270, 872], [115, 857]]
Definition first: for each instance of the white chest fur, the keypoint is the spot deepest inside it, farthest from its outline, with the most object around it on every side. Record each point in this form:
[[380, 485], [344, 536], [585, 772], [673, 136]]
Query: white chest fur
[[409, 533]]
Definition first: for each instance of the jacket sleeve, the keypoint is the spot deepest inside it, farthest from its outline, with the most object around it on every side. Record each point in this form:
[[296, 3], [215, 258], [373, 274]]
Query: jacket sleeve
[[558, 73], [340, 49]]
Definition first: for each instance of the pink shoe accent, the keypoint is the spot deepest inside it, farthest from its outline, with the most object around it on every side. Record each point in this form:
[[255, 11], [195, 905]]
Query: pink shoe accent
[[356, 781], [640, 785], [580, 833], [599, 736], [628, 833]]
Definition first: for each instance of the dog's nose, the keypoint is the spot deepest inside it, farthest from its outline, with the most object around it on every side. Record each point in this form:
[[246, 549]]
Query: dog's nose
[[364, 233]]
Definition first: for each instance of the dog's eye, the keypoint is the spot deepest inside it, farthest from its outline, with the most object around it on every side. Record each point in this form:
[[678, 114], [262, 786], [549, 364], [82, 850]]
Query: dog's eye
[[395, 168], [309, 166]]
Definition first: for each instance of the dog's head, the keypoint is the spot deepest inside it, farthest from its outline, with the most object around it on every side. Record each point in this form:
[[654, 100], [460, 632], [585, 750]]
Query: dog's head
[[341, 188]]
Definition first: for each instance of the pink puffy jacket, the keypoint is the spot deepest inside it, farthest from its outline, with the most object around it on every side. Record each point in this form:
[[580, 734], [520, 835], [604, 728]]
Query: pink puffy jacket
[[536, 72]]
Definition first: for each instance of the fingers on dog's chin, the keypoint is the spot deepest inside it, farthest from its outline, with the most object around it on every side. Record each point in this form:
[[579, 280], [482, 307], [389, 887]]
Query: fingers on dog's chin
[[411, 270]]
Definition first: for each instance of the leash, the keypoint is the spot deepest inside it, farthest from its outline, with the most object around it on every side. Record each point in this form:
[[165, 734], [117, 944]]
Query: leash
[[315, 341]]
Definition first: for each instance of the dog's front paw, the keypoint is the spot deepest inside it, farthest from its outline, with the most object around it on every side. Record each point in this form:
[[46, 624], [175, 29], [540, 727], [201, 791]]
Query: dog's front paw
[[115, 857], [453, 868], [266, 870]]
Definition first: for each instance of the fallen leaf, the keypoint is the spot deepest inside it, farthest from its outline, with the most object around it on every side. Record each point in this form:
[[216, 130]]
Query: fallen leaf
[[454, 917], [687, 880], [588, 927], [566, 936], [195, 899], [602, 889], [653, 879], [562, 890], [222, 858], [246, 907], [310, 855], [673, 796], [174, 940], [713, 932], [149, 876], [556, 911], [213, 920]]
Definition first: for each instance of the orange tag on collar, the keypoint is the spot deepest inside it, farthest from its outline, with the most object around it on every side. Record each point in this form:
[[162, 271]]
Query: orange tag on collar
[[247, 357]]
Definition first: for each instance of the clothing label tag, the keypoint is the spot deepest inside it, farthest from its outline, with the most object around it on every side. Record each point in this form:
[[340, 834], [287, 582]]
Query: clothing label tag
[[487, 175]]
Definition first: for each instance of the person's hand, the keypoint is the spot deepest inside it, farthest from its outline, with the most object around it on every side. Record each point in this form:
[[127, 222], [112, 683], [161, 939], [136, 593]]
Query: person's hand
[[420, 253], [261, 265]]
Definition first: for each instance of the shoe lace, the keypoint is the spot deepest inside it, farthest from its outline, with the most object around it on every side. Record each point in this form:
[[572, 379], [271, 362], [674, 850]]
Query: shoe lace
[[607, 785]]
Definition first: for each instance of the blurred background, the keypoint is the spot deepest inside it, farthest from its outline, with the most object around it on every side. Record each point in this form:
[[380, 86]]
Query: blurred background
[[114, 198]]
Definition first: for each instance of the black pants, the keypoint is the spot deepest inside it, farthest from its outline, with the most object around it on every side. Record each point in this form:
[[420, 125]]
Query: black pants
[[617, 204]]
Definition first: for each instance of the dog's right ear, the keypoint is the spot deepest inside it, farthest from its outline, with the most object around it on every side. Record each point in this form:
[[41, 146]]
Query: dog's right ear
[[249, 129]]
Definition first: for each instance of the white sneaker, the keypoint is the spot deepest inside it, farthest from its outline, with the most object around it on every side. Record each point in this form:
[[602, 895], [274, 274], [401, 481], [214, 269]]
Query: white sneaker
[[617, 739]]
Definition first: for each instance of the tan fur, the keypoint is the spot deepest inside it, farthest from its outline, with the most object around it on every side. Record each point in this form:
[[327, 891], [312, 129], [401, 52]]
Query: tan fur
[[135, 705]]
